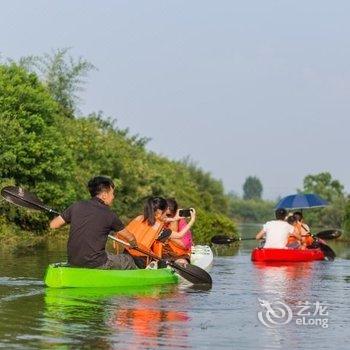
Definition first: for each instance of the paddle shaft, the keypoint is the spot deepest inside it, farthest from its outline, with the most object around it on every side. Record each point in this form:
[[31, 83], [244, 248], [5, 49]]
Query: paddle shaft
[[151, 255]]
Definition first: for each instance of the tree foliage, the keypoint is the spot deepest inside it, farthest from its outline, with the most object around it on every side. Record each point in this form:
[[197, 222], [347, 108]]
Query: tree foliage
[[46, 151], [63, 76], [250, 211], [333, 191], [32, 152], [252, 188], [324, 185], [346, 221]]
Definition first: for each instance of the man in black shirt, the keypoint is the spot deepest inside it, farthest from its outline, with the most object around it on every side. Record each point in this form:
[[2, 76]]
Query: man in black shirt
[[90, 223]]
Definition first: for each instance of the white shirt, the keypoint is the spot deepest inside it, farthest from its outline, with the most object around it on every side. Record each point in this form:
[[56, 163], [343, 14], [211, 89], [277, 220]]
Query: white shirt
[[277, 232]]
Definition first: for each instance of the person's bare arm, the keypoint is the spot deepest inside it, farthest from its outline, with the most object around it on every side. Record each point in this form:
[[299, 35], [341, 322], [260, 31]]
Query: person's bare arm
[[296, 234], [260, 235], [126, 235], [181, 234], [57, 222]]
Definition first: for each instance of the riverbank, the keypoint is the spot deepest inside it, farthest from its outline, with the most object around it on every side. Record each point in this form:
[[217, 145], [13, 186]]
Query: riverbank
[[23, 242]]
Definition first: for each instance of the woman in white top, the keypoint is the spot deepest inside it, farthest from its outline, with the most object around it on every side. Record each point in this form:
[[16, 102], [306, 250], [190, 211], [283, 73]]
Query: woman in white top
[[277, 231]]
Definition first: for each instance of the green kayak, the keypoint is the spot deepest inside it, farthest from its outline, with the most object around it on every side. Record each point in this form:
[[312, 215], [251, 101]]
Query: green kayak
[[61, 276]]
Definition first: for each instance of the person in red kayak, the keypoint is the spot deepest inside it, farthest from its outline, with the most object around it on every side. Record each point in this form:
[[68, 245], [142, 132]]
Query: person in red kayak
[[293, 242], [276, 232], [91, 221], [304, 229]]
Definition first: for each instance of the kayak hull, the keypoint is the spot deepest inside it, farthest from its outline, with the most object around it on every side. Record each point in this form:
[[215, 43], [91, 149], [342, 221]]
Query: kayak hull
[[62, 276], [287, 255]]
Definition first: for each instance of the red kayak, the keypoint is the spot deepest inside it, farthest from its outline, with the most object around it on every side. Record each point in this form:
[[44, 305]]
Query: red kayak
[[275, 254]]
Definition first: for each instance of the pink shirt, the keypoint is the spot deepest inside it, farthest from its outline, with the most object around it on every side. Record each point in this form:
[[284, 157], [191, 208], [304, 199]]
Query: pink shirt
[[187, 238]]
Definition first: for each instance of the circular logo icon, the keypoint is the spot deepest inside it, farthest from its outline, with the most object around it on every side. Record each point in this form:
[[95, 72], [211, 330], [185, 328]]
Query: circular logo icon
[[276, 313]]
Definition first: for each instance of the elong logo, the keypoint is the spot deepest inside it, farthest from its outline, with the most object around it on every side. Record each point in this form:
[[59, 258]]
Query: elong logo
[[278, 313]]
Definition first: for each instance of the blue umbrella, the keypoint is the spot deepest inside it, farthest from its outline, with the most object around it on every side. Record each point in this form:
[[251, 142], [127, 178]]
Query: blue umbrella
[[301, 201]]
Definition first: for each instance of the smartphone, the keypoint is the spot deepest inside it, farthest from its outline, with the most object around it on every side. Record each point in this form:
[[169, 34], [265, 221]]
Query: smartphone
[[185, 213]]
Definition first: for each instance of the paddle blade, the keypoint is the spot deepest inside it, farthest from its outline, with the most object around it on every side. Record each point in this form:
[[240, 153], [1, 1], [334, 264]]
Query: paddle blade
[[220, 239], [21, 197], [329, 234], [24, 199], [327, 251], [192, 273]]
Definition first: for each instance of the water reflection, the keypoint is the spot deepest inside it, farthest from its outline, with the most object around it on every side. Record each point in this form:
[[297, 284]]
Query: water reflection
[[135, 317], [225, 250], [284, 281], [148, 325]]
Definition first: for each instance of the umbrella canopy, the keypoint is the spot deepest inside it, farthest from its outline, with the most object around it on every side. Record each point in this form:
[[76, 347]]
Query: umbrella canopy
[[301, 201]]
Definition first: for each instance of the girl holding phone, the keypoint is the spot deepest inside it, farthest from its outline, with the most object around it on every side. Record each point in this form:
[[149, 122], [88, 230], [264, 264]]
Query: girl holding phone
[[180, 242]]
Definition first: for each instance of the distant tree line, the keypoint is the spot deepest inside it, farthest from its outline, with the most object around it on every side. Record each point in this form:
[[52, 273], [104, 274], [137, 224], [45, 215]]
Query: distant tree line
[[251, 208]]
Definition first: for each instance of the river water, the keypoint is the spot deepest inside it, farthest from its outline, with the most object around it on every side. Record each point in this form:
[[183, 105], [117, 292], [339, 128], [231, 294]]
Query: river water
[[300, 306]]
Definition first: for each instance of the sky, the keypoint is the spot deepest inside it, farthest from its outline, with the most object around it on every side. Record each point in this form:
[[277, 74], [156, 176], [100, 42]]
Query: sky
[[245, 88]]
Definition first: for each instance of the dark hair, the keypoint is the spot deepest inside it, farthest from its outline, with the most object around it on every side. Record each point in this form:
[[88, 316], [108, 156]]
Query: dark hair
[[172, 205], [99, 184], [151, 205], [281, 214], [298, 215], [291, 219]]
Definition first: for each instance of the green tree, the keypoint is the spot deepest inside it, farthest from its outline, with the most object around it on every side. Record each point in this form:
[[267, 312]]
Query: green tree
[[346, 222], [251, 211], [252, 188], [209, 224], [323, 185], [63, 76], [32, 152], [333, 191]]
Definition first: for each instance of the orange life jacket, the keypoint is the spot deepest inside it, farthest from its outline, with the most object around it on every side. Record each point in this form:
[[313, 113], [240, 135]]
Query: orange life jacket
[[177, 249], [173, 248], [306, 238], [144, 233], [292, 239]]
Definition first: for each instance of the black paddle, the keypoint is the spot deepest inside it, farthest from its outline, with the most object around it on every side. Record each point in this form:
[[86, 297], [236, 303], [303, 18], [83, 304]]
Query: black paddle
[[23, 198], [329, 234], [191, 273], [326, 250], [221, 239]]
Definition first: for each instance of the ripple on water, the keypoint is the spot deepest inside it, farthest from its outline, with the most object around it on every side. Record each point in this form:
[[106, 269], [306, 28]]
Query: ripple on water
[[20, 281]]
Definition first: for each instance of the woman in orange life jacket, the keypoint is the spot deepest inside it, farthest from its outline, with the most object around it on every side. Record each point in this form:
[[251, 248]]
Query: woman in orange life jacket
[[293, 242], [178, 246], [306, 238], [147, 228]]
